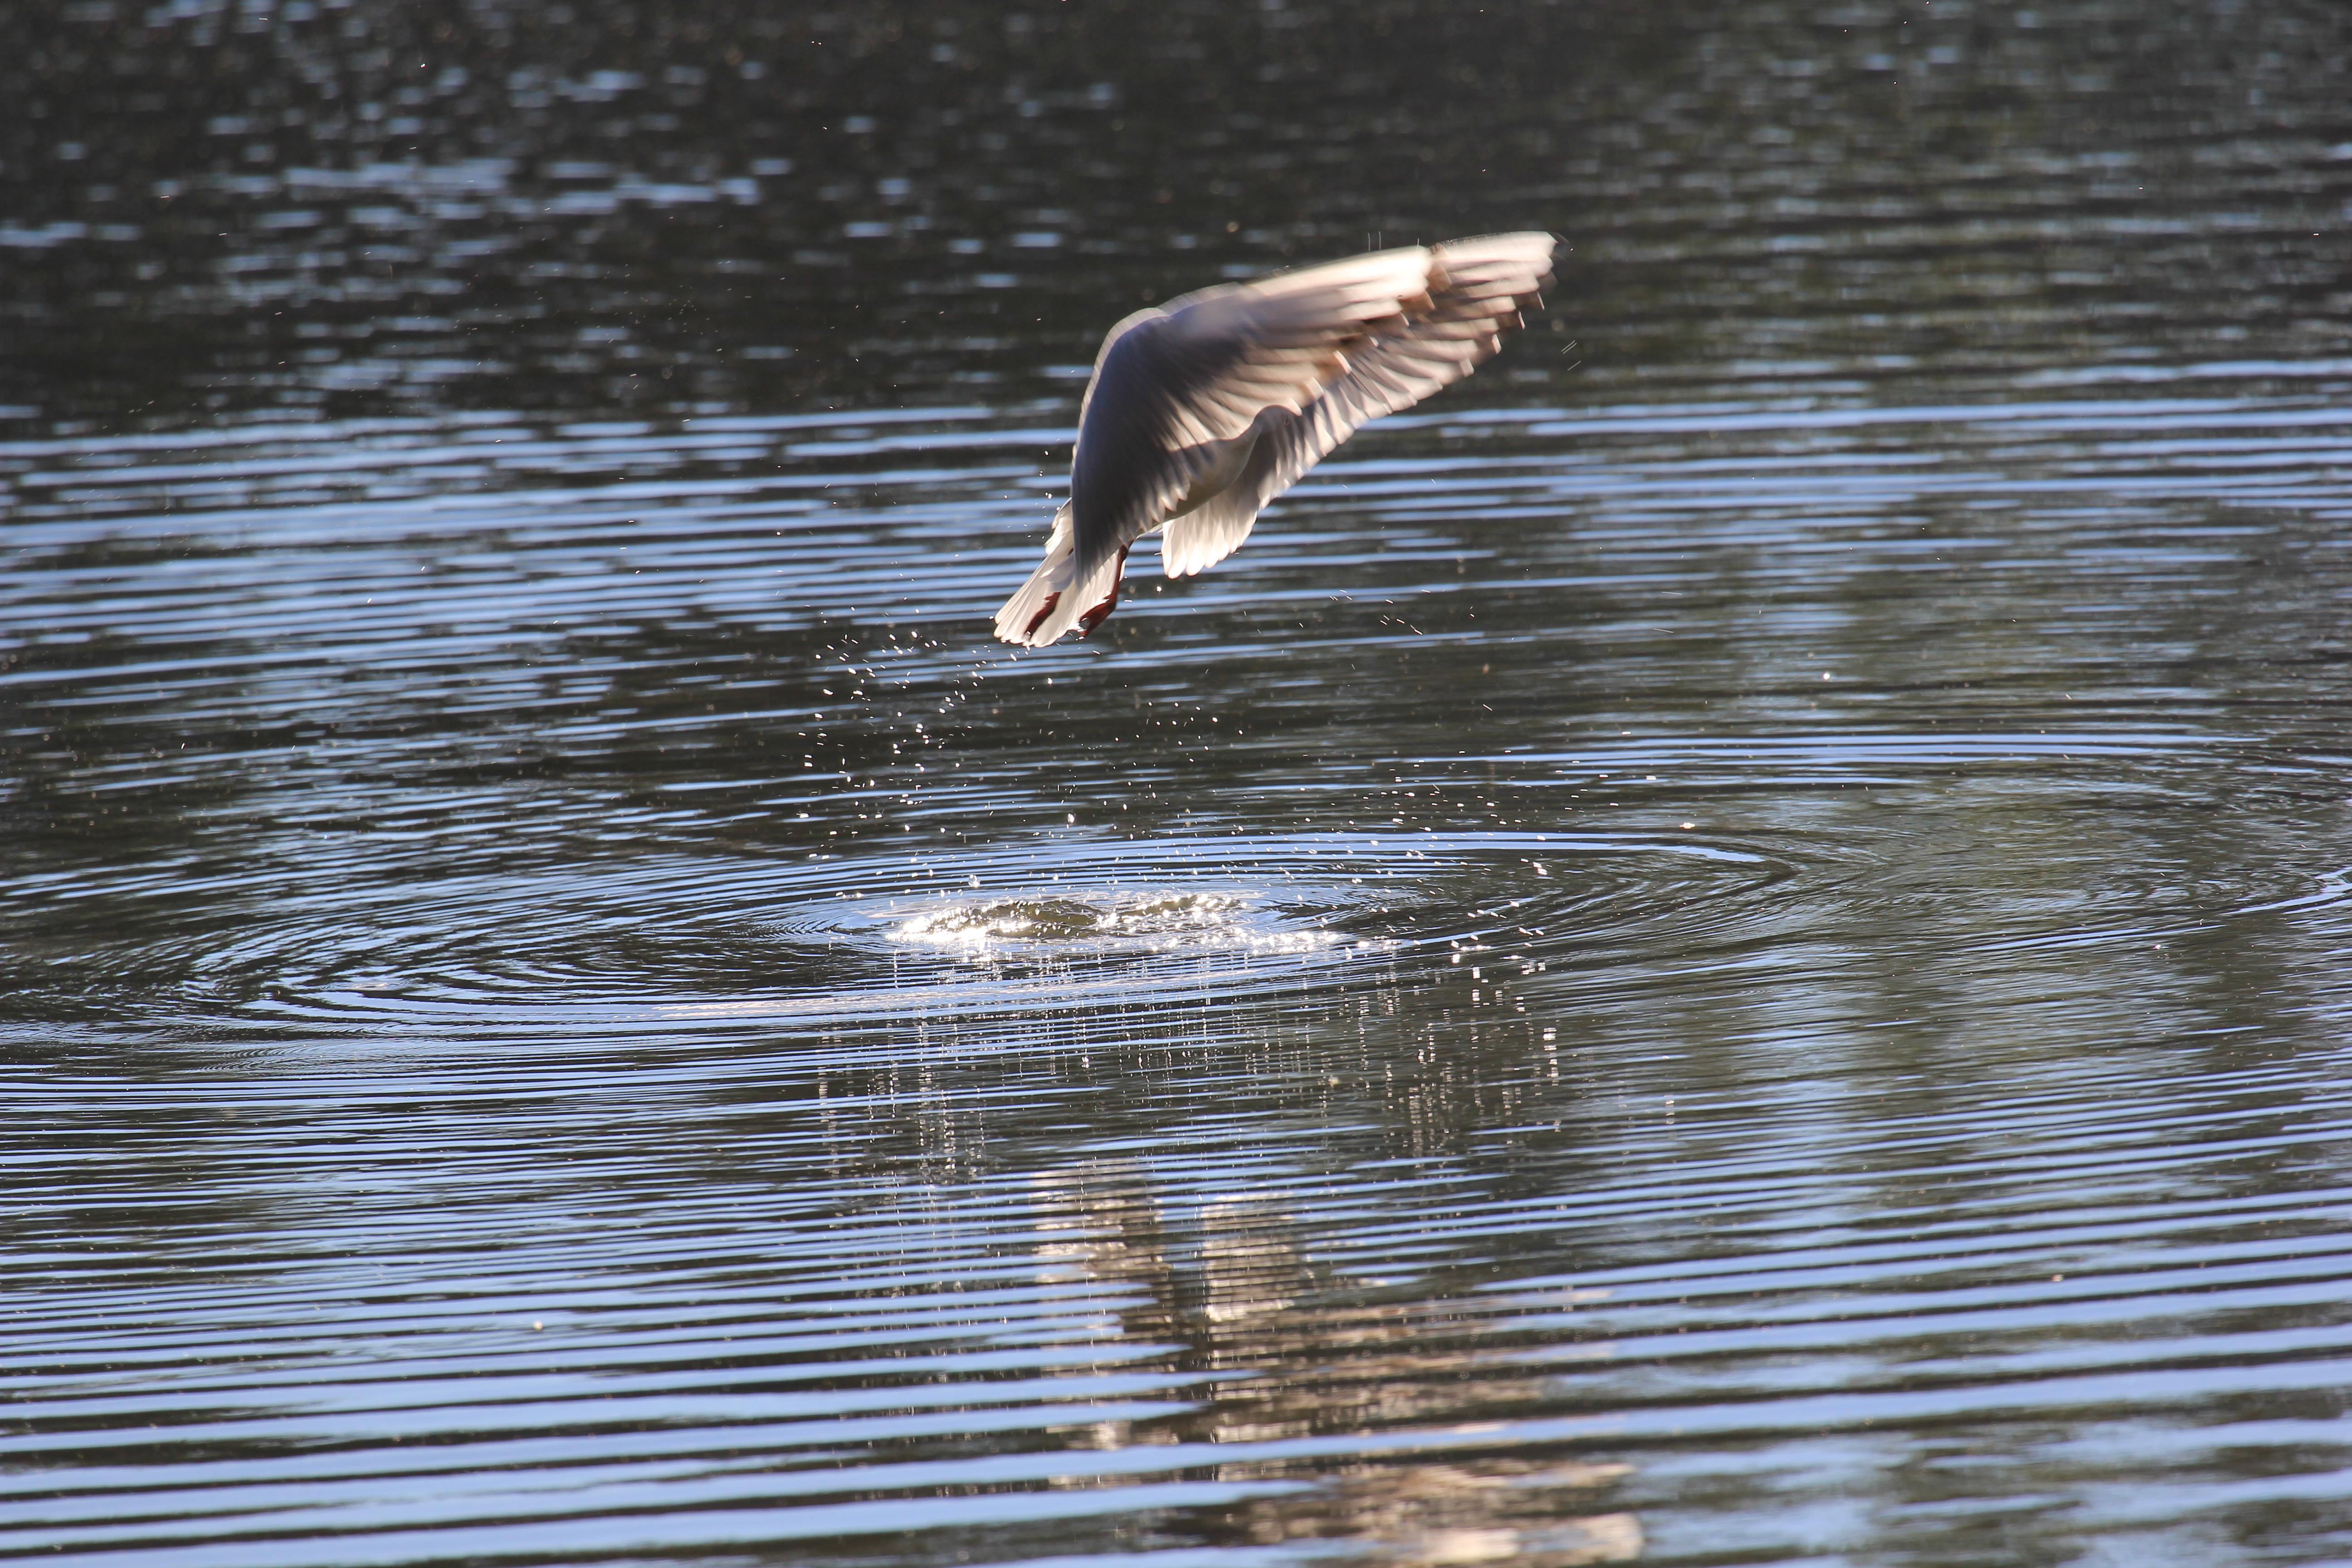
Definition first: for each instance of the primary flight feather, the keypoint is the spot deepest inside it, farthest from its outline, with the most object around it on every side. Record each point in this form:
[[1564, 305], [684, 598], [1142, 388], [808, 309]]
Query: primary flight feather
[[1203, 410]]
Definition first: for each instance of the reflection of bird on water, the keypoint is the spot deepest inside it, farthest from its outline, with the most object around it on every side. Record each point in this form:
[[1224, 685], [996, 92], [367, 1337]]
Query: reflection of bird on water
[[1203, 409]]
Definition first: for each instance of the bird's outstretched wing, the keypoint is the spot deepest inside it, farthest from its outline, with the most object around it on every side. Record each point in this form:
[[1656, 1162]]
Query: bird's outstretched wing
[[1475, 291], [1174, 387]]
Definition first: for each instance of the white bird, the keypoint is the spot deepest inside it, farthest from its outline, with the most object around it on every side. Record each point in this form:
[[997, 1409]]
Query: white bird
[[1203, 410]]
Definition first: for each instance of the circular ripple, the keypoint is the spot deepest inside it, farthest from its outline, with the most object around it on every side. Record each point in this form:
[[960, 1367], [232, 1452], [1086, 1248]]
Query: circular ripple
[[1049, 924], [1034, 925]]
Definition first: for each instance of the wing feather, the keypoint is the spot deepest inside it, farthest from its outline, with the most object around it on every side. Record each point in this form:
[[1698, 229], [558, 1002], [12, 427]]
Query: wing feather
[[1482, 287], [1174, 385], [1478, 288]]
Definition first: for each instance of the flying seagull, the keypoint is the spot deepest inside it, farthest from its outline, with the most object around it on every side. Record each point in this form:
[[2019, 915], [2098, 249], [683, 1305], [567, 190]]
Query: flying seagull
[[1203, 409]]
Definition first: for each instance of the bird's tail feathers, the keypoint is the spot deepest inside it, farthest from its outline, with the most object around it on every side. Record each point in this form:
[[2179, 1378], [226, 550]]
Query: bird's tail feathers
[[1055, 600]]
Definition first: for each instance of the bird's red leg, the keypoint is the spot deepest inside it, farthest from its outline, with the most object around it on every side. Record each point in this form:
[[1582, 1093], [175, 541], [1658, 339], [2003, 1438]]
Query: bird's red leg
[[1101, 612], [1039, 618]]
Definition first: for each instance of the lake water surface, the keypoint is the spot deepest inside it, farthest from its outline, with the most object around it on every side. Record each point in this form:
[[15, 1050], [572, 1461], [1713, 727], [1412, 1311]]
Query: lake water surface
[[1728, 944]]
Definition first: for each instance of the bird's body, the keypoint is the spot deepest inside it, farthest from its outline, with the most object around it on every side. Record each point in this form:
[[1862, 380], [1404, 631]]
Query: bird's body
[[1203, 410]]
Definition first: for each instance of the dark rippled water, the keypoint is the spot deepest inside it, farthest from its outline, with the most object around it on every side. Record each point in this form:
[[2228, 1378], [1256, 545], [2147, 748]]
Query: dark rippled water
[[1727, 945]]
